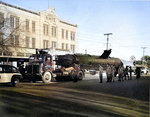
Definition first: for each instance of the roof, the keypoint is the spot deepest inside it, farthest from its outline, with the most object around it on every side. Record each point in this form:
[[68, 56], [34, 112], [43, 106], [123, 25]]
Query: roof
[[6, 4], [19, 8], [68, 23]]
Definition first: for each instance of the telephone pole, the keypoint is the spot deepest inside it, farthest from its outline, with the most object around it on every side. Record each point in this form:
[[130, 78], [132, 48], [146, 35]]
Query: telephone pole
[[108, 38], [143, 52]]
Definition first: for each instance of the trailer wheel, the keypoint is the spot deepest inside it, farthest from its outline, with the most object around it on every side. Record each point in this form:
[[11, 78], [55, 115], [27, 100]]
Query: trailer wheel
[[80, 75], [46, 77]]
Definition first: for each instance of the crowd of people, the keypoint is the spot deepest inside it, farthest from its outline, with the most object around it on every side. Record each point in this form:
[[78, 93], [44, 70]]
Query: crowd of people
[[123, 73]]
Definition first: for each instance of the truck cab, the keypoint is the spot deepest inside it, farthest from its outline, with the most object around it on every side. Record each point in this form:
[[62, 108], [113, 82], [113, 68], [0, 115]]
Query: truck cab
[[39, 65]]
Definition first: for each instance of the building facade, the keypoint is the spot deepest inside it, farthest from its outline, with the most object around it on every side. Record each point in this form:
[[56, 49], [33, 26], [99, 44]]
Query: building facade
[[27, 31]]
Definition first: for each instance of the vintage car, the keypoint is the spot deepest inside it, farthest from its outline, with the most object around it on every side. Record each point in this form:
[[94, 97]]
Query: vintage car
[[10, 74]]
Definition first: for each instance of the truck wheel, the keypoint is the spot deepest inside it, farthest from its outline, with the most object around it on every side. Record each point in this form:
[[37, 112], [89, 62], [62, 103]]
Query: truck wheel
[[72, 75], [46, 77], [14, 82], [80, 75]]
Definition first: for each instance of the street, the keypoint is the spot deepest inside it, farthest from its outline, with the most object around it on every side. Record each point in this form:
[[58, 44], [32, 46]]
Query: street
[[83, 98]]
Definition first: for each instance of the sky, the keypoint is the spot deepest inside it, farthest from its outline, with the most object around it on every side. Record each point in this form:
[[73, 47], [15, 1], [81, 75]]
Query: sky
[[127, 20]]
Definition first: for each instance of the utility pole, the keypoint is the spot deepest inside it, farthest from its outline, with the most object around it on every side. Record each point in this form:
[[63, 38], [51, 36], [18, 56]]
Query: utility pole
[[143, 53], [108, 38]]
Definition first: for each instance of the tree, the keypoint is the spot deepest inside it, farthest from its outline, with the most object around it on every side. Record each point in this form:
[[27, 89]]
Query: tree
[[139, 62], [11, 33], [146, 59]]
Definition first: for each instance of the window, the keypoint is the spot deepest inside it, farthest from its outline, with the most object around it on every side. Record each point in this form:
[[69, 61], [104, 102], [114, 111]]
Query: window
[[33, 42], [45, 31], [7, 69], [53, 31], [62, 33], [66, 34], [14, 70], [10, 69], [11, 21], [73, 36], [73, 48], [14, 22], [1, 19], [1, 39], [27, 42], [17, 23], [66, 46], [27, 25], [62, 45], [45, 44], [33, 27], [53, 44], [14, 40]]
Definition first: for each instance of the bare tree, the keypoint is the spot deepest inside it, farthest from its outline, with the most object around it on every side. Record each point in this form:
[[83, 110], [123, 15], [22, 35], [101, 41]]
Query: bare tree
[[11, 33]]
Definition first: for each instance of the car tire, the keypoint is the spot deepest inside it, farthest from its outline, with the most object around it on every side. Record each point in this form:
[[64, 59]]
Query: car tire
[[47, 77], [14, 82]]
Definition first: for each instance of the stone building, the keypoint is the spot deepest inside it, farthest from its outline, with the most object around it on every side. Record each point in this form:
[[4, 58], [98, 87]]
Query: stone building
[[28, 31]]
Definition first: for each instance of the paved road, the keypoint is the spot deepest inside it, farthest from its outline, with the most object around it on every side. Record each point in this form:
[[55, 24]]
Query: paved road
[[86, 98]]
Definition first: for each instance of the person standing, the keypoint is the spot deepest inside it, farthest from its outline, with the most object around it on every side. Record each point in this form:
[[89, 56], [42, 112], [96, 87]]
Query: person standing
[[113, 72], [108, 72], [101, 73], [130, 71], [138, 72], [126, 72], [120, 73]]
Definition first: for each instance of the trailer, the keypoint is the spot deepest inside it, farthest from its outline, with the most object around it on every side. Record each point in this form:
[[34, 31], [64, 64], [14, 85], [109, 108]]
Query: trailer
[[42, 67]]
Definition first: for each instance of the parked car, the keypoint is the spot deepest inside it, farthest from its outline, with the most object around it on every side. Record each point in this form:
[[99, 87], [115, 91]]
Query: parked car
[[144, 71], [92, 72], [10, 74]]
